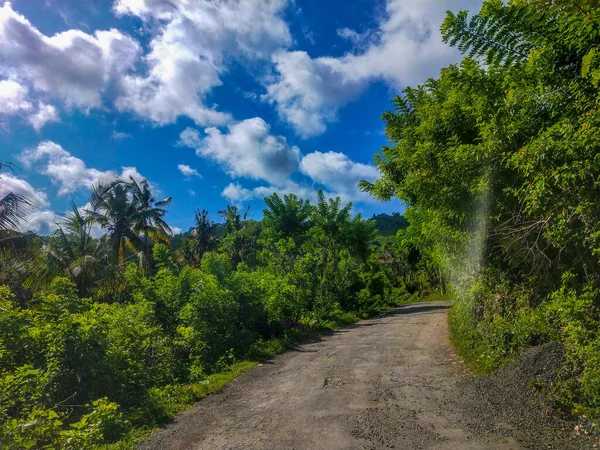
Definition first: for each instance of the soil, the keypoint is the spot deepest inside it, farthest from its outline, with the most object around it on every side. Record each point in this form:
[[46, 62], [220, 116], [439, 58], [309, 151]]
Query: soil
[[389, 382]]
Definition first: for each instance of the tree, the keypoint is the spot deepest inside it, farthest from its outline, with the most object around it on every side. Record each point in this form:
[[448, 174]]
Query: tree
[[233, 218], [130, 214], [202, 235], [148, 220], [71, 252], [498, 165], [287, 218]]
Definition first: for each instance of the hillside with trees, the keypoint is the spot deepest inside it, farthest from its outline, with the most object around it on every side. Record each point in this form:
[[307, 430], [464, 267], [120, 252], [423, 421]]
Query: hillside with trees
[[498, 163]]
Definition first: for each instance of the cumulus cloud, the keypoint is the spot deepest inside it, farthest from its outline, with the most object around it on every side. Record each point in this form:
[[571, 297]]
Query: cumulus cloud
[[10, 183], [42, 222], [39, 220], [405, 49], [67, 171], [191, 42], [308, 92], [72, 66], [45, 114], [338, 173], [13, 98], [188, 172], [247, 150], [236, 193], [189, 138]]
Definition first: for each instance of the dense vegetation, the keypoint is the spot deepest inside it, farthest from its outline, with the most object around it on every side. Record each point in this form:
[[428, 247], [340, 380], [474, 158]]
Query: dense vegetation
[[498, 161], [103, 337]]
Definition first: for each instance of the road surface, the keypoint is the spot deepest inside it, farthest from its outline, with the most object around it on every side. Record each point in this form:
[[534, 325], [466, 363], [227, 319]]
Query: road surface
[[389, 382]]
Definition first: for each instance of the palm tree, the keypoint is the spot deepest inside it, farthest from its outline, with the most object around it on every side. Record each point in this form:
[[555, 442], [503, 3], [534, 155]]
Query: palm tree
[[148, 220], [111, 209], [130, 214], [71, 252], [13, 207], [233, 218], [241, 234], [202, 234]]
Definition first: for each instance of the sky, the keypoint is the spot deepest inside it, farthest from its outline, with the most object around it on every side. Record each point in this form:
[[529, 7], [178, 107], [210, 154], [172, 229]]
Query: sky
[[214, 102]]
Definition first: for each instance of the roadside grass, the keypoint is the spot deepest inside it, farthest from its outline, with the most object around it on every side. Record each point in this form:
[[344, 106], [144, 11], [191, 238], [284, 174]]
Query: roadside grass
[[466, 340], [173, 400]]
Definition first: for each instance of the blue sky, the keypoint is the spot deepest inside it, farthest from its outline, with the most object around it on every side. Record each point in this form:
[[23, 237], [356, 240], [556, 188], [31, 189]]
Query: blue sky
[[212, 102]]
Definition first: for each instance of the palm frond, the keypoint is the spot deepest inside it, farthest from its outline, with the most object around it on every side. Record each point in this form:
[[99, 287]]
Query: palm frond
[[14, 209]]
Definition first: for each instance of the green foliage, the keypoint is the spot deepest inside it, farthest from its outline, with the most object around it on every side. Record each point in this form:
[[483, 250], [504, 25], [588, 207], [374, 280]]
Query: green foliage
[[287, 218], [121, 333], [389, 225], [498, 165]]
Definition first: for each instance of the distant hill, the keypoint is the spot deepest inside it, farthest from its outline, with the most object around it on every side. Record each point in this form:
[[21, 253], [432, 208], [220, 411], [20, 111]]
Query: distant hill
[[389, 225]]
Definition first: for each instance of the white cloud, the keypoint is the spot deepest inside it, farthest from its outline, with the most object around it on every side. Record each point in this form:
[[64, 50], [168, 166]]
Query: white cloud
[[191, 44], [234, 192], [176, 230], [192, 192], [45, 114], [358, 39], [42, 222], [406, 49], [38, 220], [189, 138], [67, 171], [247, 150], [237, 194], [72, 66], [338, 173], [308, 92], [119, 135], [127, 173], [10, 183], [13, 98], [188, 172]]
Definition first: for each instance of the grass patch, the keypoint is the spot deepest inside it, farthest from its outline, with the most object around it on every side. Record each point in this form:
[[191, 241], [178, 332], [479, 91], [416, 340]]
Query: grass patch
[[173, 400], [466, 340]]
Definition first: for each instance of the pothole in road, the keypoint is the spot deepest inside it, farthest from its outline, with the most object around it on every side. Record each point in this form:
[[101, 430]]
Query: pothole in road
[[333, 382]]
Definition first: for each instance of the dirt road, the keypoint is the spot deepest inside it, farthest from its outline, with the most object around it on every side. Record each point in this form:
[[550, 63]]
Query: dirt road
[[389, 382]]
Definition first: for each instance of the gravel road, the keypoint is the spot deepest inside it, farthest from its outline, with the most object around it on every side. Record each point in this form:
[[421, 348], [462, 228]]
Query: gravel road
[[388, 382]]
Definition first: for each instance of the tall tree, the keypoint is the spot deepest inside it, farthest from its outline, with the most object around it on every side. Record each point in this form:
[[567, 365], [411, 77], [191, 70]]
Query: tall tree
[[287, 218], [148, 220], [202, 234], [130, 214], [233, 218]]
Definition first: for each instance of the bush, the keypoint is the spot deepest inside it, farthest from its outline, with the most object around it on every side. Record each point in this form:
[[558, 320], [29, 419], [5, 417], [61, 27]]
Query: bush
[[491, 328]]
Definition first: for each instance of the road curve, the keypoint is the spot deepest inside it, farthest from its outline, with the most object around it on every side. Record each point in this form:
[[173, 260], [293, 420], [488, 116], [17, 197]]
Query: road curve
[[389, 382]]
